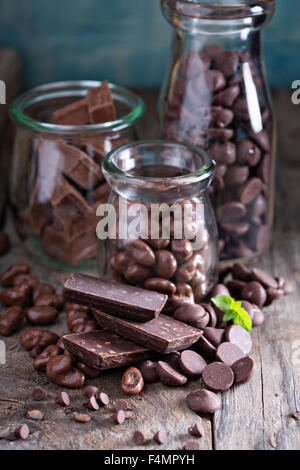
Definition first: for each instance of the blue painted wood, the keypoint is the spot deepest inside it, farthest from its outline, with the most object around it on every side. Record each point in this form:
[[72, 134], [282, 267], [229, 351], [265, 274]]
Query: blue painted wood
[[126, 41]]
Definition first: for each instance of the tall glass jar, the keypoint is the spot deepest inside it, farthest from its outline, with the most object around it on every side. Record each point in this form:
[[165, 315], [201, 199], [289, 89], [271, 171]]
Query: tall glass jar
[[162, 232], [216, 96], [56, 178]]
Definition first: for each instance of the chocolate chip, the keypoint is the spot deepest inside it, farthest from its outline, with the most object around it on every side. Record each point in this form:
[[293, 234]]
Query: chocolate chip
[[92, 404], [258, 316], [197, 430], [170, 376], [241, 272], [229, 353], [103, 399], [63, 399], [220, 289], [121, 405], [148, 371], [205, 348], [119, 417], [160, 437], [191, 363], [254, 293], [138, 438], [91, 391], [203, 402], [22, 431], [214, 335], [217, 376], [212, 315], [240, 337], [129, 414], [243, 370], [191, 445], [264, 278], [192, 314], [38, 394]]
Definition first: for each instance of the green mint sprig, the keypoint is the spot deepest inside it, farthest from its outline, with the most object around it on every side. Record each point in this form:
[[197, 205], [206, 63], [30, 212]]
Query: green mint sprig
[[233, 310]]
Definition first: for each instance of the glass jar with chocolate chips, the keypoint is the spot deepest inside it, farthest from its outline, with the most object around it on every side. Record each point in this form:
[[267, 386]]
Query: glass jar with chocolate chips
[[158, 230], [64, 131], [215, 96]]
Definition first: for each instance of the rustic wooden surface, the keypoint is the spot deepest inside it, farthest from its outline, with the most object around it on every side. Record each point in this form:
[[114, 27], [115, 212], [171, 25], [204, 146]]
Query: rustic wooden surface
[[253, 416]]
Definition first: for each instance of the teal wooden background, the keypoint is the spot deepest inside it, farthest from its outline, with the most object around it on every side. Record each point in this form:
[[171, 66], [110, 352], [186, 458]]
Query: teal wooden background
[[125, 41]]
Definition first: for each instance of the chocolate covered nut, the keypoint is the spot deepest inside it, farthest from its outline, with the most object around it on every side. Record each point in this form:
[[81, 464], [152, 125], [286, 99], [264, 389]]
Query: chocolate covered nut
[[138, 438], [214, 80], [264, 278], [17, 296], [214, 335], [4, 243], [22, 432], [235, 229], [42, 289], [60, 370], [50, 300], [241, 272], [240, 337], [132, 382], [261, 138], [141, 252], [254, 293], [231, 212], [263, 169], [25, 279], [186, 271], [39, 394], [247, 153], [243, 370], [258, 316], [8, 276], [217, 376], [33, 338], [197, 430], [121, 262], [169, 376], [160, 285], [160, 437], [250, 190], [223, 153], [89, 372], [63, 399], [221, 117], [100, 104], [206, 349], [82, 418], [91, 391], [193, 315], [41, 315], [136, 274], [41, 361], [220, 135], [236, 174], [182, 249], [229, 353], [166, 264], [203, 402], [191, 364], [227, 62], [159, 244], [149, 371], [11, 320], [226, 97]]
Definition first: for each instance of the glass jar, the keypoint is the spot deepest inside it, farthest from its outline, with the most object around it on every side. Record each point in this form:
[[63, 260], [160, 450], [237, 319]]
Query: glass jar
[[159, 230], [56, 177], [216, 96]]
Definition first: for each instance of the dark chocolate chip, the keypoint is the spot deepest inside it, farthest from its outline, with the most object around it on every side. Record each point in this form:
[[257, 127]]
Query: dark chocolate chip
[[218, 376], [229, 353], [240, 337], [191, 363], [197, 430], [203, 402], [170, 376], [243, 370], [138, 438]]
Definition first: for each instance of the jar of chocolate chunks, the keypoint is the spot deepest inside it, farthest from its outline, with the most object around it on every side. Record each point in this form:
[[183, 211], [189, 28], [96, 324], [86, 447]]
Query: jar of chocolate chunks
[[158, 230], [64, 131], [216, 96]]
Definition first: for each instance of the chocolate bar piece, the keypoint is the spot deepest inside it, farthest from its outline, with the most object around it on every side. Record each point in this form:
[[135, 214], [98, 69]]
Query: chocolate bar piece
[[104, 350], [115, 298], [100, 104], [163, 334], [75, 114]]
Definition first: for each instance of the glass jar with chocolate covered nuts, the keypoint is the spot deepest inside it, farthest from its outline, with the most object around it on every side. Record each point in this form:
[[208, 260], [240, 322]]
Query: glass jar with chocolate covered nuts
[[216, 96], [64, 131], [158, 230]]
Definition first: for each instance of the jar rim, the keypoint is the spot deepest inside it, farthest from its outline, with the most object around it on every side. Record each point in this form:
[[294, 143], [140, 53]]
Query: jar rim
[[219, 11], [18, 108], [205, 172]]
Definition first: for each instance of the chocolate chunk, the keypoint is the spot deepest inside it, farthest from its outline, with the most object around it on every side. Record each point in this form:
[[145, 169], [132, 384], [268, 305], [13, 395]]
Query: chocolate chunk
[[170, 376], [203, 402], [138, 438], [75, 114], [115, 298], [197, 430], [217, 376], [163, 334], [191, 363], [100, 104], [104, 350], [240, 337], [243, 370], [229, 353]]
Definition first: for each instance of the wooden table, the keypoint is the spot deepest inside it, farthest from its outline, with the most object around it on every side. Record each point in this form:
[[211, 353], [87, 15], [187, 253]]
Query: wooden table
[[253, 416]]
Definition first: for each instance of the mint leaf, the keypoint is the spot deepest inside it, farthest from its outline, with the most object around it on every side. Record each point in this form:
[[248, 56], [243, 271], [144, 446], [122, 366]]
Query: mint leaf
[[233, 310]]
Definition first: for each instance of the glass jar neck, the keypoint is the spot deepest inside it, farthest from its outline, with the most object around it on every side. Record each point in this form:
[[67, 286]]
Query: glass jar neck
[[218, 18], [158, 171]]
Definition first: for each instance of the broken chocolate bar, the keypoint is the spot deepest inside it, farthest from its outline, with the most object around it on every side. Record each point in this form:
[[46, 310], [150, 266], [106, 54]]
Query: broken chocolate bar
[[100, 104], [115, 298], [104, 350], [75, 114], [163, 334]]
